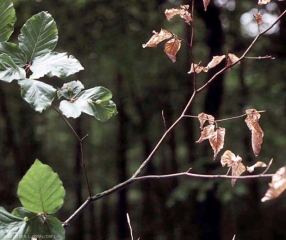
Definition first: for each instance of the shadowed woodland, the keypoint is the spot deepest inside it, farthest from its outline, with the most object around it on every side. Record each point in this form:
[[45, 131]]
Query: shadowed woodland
[[150, 93]]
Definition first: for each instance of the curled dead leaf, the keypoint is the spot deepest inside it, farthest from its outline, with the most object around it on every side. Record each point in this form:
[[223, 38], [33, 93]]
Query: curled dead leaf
[[183, 12], [172, 47], [217, 140], [206, 133], [215, 61], [277, 185], [232, 58], [203, 117], [251, 120], [235, 162], [197, 68], [157, 38], [257, 164]]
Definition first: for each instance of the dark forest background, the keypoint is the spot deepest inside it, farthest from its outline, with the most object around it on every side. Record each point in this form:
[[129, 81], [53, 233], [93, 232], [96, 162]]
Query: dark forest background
[[107, 37]]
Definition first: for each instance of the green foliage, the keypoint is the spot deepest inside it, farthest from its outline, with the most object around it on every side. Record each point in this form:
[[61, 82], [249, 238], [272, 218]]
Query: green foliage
[[95, 101], [41, 193], [7, 19], [41, 190]]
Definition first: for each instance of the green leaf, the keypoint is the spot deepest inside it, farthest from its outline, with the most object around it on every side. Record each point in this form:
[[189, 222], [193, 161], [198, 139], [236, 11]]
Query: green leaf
[[22, 224], [7, 19], [70, 90], [38, 94], [55, 64], [9, 71], [39, 35], [41, 189], [14, 52], [95, 102]]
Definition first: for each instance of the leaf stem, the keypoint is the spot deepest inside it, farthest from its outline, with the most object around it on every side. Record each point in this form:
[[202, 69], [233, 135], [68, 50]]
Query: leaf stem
[[80, 140]]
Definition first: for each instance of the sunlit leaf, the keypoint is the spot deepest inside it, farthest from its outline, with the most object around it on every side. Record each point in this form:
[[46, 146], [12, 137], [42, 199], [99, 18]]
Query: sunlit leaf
[[183, 12], [206, 3], [206, 133], [157, 38], [256, 131], [55, 64], [7, 19], [172, 47], [277, 185], [258, 18], [41, 189], [257, 164], [9, 71], [217, 140], [38, 94], [39, 35], [203, 117]]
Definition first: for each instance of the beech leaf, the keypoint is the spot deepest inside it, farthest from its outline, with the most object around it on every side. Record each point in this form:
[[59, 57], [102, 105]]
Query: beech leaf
[[206, 133], [157, 38], [215, 61], [257, 164], [197, 68], [206, 3], [183, 12], [277, 185], [203, 117], [217, 140], [172, 47], [258, 18], [235, 162], [256, 131], [232, 58], [263, 1]]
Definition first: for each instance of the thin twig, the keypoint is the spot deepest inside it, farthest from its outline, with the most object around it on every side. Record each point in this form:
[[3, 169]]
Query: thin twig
[[268, 166], [80, 140], [261, 58], [164, 121], [129, 224]]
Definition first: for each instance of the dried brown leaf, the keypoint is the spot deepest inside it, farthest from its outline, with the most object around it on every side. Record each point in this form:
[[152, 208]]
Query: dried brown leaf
[[230, 160], [172, 47], [232, 58], [157, 38], [206, 3], [257, 164], [217, 140], [237, 169], [215, 61], [197, 68], [206, 133], [256, 131], [263, 1], [203, 117], [258, 18], [183, 12], [277, 185]]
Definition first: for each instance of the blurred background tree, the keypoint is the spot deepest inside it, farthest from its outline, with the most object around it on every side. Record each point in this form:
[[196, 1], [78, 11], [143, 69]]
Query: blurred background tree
[[107, 37]]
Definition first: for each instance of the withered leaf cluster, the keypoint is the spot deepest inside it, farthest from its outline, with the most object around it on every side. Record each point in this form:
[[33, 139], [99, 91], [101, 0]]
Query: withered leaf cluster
[[235, 163], [214, 134], [231, 58], [173, 45]]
